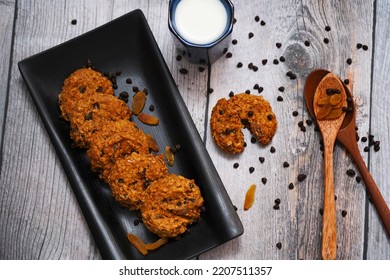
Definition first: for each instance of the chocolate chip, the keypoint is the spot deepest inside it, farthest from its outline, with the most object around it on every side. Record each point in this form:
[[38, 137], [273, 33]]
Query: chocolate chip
[[364, 139], [279, 245], [326, 40], [344, 213], [301, 177], [275, 61], [234, 42], [236, 165], [183, 71], [286, 164], [261, 159], [74, 21], [229, 55], [151, 108], [210, 90], [260, 90], [282, 59], [257, 18], [272, 149], [346, 81], [365, 47], [264, 180], [295, 113], [281, 89], [351, 173], [270, 117], [239, 65], [276, 207], [358, 179], [262, 23], [278, 45], [136, 222], [349, 61], [124, 94], [290, 186], [309, 122], [250, 35], [277, 201], [178, 58], [307, 43], [264, 61], [327, 28], [279, 98], [129, 81], [253, 140], [251, 169]]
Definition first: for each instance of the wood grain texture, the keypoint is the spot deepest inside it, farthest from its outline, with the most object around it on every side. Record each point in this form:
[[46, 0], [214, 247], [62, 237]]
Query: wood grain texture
[[7, 9], [378, 242], [297, 225]]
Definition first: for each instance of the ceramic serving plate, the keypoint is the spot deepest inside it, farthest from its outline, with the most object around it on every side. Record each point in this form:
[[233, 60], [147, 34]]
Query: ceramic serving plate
[[127, 44]]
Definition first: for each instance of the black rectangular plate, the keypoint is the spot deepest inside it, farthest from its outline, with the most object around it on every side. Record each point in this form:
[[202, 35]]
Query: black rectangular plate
[[127, 44]]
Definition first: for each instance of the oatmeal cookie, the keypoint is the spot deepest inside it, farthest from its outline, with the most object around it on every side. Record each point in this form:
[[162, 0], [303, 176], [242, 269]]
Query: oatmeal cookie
[[130, 176], [82, 82], [113, 140], [226, 127], [257, 115], [170, 204], [90, 114], [229, 117]]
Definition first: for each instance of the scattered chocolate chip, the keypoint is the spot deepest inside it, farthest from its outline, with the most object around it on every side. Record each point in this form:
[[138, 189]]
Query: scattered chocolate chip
[[74, 21], [234, 42], [349, 61], [151, 108], [178, 57], [257, 18], [279, 98], [346, 81], [250, 65], [377, 148], [210, 90], [286, 164], [129, 81], [301, 177], [295, 113], [278, 45], [275, 61], [344, 213], [290, 186], [358, 179], [136, 222], [124, 94], [270, 117], [251, 169], [279, 245], [309, 122], [255, 68], [277, 201], [365, 47], [351, 173], [264, 180], [183, 71], [261, 159], [135, 89], [260, 90], [326, 40], [239, 65], [327, 28], [229, 55], [364, 139], [250, 35], [264, 61], [282, 59], [272, 149], [247, 91], [253, 140], [262, 23], [236, 165], [303, 129], [276, 207], [231, 94], [256, 86], [307, 43], [281, 89], [359, 45], [366, 149]]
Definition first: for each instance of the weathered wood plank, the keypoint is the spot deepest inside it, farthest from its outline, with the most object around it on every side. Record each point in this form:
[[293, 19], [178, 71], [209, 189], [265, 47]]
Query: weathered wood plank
[[40, 215], [378, 243], [297, 225], [7, 9]]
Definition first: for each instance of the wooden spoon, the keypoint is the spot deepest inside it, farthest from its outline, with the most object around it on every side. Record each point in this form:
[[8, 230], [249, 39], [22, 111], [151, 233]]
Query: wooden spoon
[[329, 127], [346, 136]]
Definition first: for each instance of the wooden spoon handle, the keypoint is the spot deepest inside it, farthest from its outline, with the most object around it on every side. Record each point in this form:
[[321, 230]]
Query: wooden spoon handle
[[372, 189], [329, 228]]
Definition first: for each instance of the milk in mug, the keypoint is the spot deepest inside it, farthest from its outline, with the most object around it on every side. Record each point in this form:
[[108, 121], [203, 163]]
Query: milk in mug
[[200, 22]]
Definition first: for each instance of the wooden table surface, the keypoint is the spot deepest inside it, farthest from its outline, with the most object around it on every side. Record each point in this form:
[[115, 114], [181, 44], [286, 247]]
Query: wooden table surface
[[39, 214]]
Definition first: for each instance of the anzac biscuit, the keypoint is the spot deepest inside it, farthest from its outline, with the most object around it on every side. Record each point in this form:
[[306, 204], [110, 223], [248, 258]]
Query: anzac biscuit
[[257, 115], [170, 204], [130, 176], [113, 140], [82, 82], [91, 112], [226, 127]]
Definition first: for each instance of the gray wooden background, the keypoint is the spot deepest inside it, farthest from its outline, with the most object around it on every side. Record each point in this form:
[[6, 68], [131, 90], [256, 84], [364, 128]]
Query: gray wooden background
[[39, 215]]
